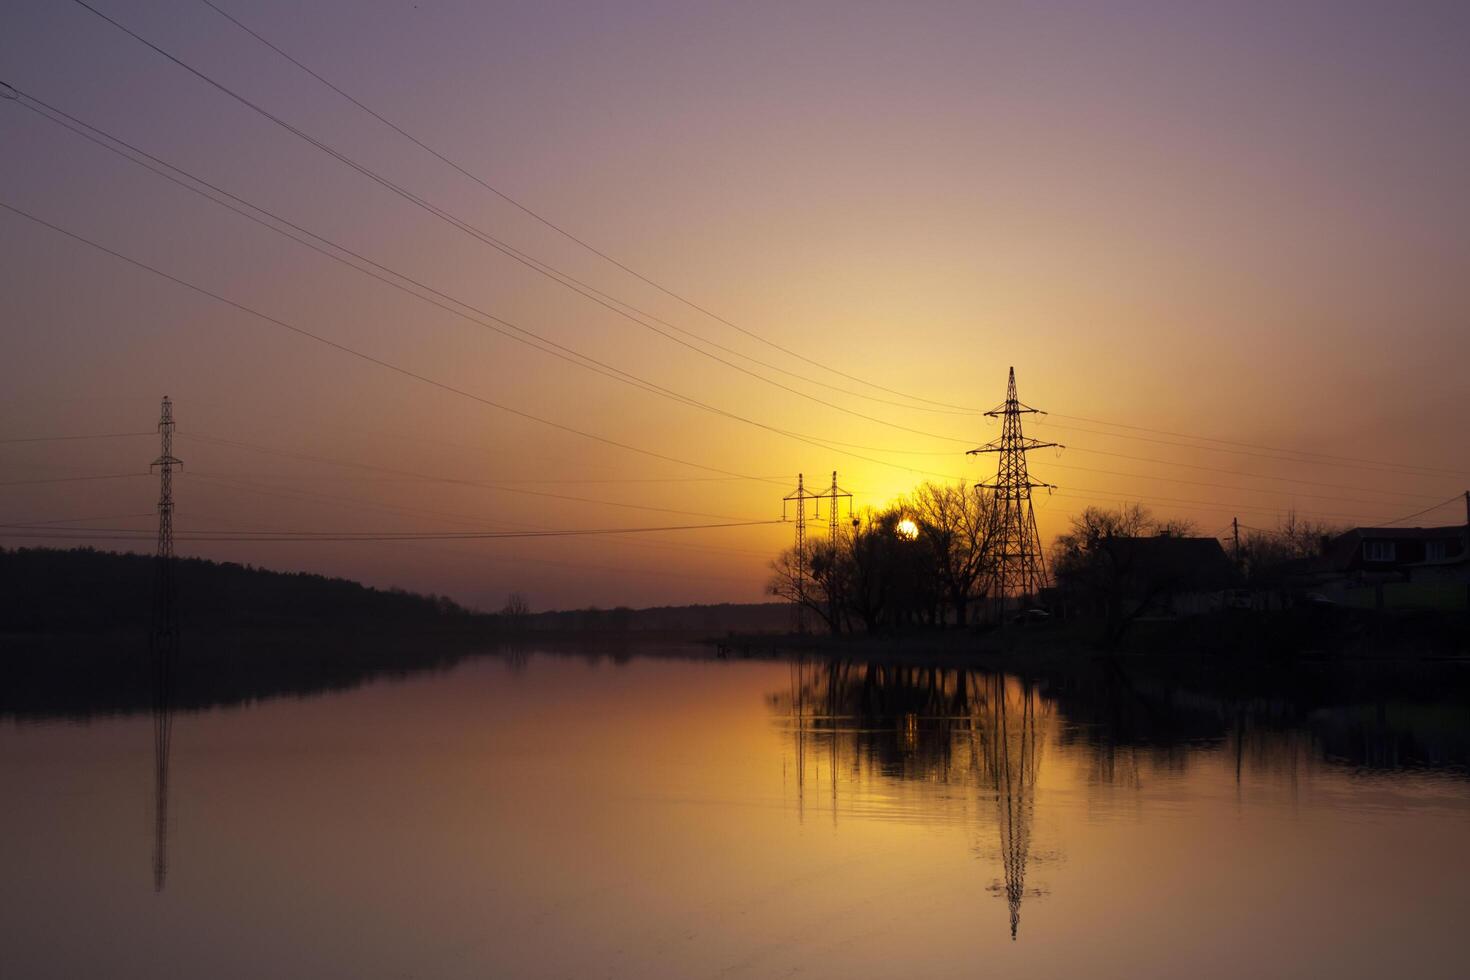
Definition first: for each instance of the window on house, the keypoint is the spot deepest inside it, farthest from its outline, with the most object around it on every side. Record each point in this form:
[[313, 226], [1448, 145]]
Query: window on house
[[1378, 551], [1435, 551]]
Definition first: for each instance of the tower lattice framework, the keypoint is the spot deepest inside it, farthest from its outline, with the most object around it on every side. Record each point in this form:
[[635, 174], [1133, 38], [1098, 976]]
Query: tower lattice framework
[[799, 498], [1019, 568]]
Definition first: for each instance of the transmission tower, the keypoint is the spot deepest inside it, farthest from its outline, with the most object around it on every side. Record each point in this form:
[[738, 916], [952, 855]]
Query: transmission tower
[[834, 497], [799, 497], [834, 494], [1019, 568], [165, 625], [164, 640]]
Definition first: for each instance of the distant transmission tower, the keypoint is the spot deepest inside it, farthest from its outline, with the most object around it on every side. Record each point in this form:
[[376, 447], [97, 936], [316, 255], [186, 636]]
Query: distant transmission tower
[[1019, 567], [834, 494], [165, 625], [799, 497], [165, 640]]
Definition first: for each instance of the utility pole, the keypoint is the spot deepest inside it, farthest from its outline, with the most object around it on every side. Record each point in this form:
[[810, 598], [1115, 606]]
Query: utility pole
[[164, 640], [1020, 567], [799, 497]]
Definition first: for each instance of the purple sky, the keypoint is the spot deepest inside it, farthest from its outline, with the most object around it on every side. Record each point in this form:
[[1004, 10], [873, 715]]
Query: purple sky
[[1240, 221]]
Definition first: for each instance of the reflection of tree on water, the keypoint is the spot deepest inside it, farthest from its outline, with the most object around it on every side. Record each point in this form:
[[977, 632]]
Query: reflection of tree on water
[[928, 725]]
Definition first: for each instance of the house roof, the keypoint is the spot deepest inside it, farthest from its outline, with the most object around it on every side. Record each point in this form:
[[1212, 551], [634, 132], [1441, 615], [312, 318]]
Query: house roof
[[1409, 533], [1342, 549], [1197, 564]]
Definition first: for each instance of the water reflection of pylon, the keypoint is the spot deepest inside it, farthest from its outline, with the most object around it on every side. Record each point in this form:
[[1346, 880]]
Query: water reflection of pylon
[[927, 725], [1011, 760]]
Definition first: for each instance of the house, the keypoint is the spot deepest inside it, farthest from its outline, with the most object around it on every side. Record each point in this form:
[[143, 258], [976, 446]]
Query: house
[[1366, 555], [1388, 568], [1162, 576]]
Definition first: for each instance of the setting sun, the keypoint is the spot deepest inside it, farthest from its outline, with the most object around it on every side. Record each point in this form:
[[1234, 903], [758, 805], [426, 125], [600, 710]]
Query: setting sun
[[907, 529]]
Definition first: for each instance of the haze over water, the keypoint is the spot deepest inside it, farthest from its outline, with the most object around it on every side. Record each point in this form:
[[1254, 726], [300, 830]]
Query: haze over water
[[544, 815]]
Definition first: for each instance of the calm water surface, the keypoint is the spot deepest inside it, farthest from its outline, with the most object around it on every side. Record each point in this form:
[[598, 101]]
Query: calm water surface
[[553, 816]]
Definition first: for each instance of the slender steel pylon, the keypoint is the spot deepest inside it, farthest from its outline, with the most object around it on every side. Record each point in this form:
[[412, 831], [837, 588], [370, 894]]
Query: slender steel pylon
[[834, 496], [165, 624], [799, 497], [1019, 567], [164, 640]]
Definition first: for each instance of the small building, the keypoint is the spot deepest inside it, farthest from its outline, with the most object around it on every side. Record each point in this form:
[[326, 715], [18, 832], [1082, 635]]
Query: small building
[[1390, 568], [1366, 554], [1165, 576]]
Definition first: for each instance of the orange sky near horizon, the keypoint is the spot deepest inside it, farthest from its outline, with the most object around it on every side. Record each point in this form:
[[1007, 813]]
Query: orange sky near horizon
[[1236, 224]]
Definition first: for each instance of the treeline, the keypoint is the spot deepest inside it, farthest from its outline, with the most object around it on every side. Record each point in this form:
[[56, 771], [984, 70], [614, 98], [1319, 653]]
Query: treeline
[[928, 560], [709, 619], [85, 590], [925, 560]]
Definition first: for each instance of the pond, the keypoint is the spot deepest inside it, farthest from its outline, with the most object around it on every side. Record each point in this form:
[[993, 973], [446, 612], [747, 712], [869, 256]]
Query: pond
[[552, 815]]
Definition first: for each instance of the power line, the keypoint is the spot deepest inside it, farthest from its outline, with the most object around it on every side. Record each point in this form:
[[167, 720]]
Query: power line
[[1225, 507], [582, 242], [102, 435], [79, 520], [1444, 503], [127, 534], [619, 307], [71, 479], [477, 522], [444, 386], [1217, 486], [518, 559], [1255, 476], [1341, 462], [519, 334], [478, 484]]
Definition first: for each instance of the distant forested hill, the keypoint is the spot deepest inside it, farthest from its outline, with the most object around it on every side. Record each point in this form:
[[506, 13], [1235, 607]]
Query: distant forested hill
[[45, 590], [84, 590], [74, 629]]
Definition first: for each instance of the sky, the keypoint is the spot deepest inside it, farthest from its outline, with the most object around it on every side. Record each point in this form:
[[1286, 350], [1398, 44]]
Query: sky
[[1225, 246]]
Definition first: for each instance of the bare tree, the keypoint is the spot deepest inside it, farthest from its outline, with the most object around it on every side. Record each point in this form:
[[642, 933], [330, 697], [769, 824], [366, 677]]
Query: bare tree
[[959, 523], [516, 610], [1096, 562], [807, 588]]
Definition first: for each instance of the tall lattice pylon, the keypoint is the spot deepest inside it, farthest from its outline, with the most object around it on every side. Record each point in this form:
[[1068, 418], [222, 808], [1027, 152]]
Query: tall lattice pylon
[[165, 625], [799, 498], [1019, 567], [164, 641], [834, 496]]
